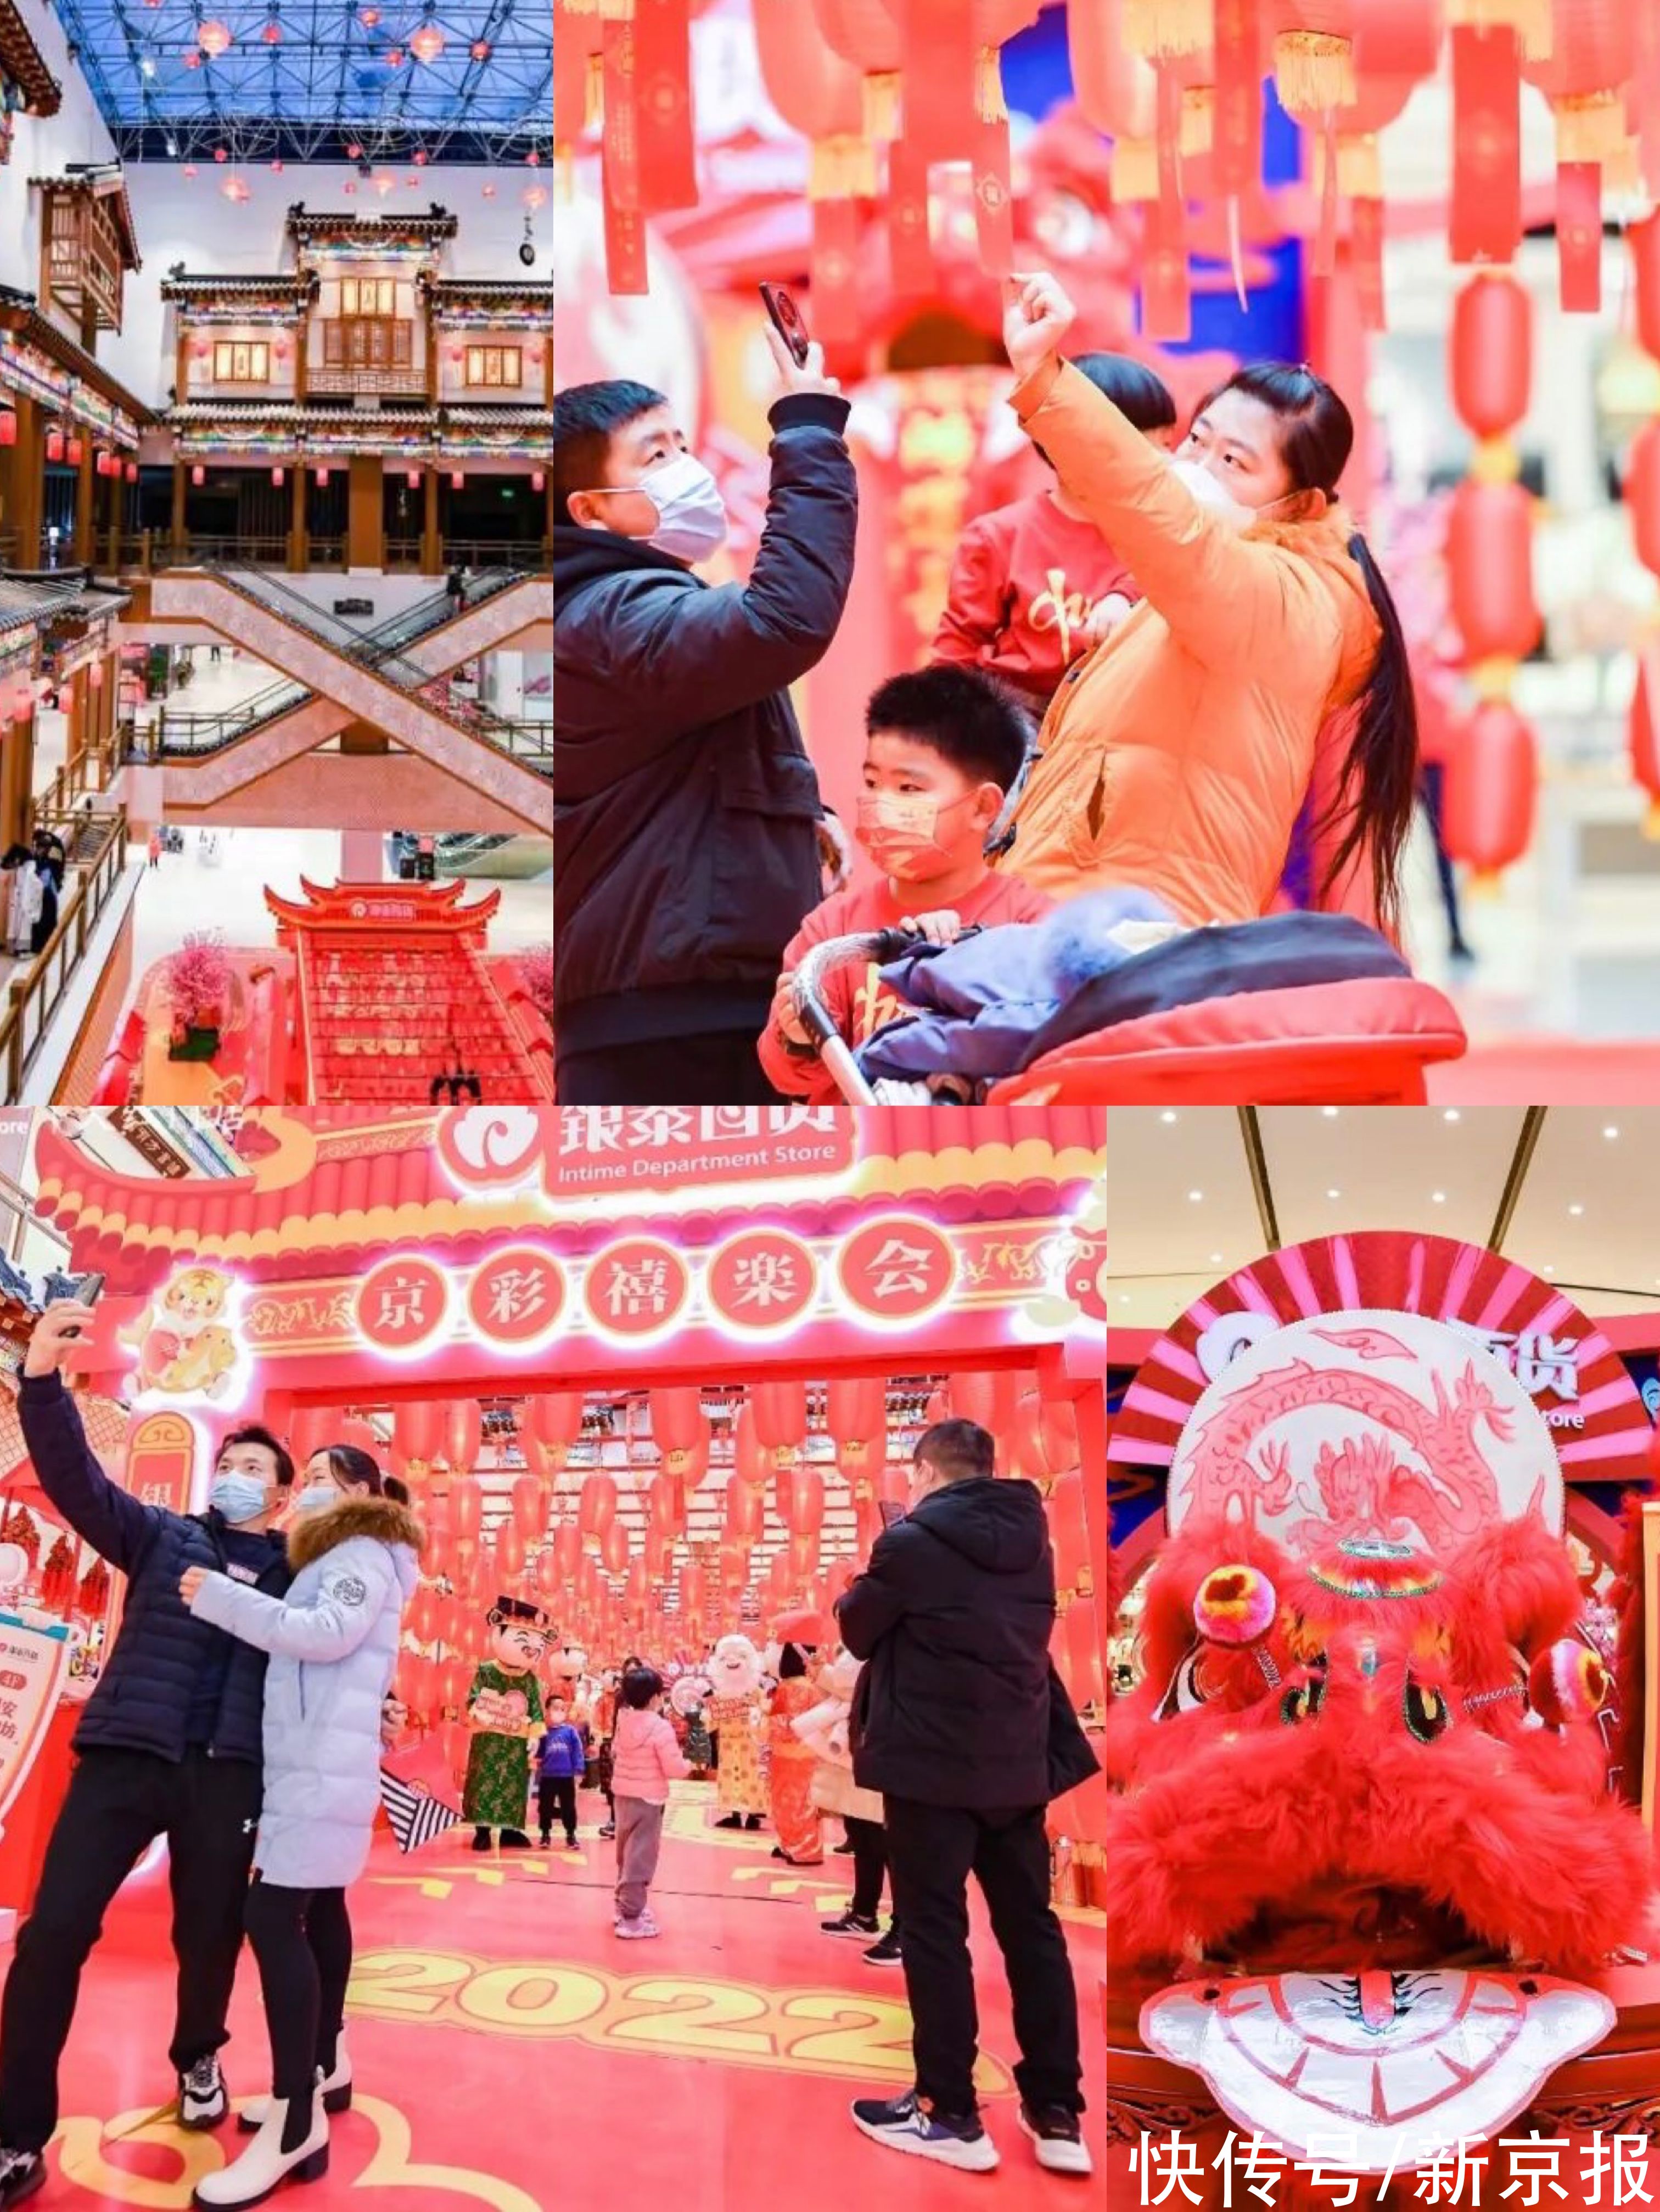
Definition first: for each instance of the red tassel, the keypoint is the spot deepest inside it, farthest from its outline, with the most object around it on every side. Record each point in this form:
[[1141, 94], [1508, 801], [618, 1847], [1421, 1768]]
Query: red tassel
[[662, 94], [1580, 235], [940, 56], [1486, 216]]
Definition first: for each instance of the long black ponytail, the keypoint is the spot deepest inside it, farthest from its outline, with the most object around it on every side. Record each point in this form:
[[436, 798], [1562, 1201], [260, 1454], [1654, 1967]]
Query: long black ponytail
[[1371, 807]]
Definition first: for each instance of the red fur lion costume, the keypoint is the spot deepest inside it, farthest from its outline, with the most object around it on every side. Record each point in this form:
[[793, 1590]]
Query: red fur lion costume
[[1367, 1758]]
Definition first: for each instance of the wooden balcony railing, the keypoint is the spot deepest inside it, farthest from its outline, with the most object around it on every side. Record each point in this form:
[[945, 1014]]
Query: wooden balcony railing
[[34, 997]]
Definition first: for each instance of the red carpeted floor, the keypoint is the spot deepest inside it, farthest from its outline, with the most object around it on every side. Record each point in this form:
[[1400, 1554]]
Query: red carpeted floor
[[511, 2052]]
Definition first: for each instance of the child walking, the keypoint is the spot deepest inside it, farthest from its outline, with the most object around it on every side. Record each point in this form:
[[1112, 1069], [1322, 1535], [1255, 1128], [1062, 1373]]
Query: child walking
[[560, 1766], [645, 1760]]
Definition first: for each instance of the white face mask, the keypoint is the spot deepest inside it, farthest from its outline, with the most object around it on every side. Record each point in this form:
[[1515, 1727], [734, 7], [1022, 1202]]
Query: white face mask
[[691, 515], [1212, 494], [316, 1498]]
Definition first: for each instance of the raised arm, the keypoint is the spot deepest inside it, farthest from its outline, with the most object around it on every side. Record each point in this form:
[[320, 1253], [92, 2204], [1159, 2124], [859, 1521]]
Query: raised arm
[[874, 1602], [118, 1527], [1231, 601], [359, 1577]]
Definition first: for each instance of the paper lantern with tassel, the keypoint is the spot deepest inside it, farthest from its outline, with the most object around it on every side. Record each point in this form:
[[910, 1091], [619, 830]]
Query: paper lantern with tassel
[[467, 1506], [423, 1619], [666, 1508], [510, 1552], [1161, 29], [823, 96], [597, 1509], [1490, 571], [417, 1429], [530, 1508], [865, 34], [1490, 355], [566, 1551], [1396, 47], [800, 1497], [750, 1460], [614, 1548], [742, 1518], [856, 1415], [781, 1414], [1312, 47], [680, 1430], [1585, 80], [1118, 93], [1491, 777], [554, 1417], [464, 1433]]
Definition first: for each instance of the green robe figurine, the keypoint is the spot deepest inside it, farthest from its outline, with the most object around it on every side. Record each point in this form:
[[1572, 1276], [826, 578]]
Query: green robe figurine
[[505, 1690]]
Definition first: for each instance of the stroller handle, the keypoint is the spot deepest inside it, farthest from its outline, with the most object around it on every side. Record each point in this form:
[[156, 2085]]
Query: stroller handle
[[808, 982]]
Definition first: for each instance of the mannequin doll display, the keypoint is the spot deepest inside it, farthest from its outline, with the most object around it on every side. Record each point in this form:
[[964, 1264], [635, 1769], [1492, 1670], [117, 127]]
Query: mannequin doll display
[[734, 1673], [795, 1817], [505, 1712]]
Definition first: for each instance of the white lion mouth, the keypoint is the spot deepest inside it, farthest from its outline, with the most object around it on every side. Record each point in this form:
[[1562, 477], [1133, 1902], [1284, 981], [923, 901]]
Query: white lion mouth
[[1377, 2072]]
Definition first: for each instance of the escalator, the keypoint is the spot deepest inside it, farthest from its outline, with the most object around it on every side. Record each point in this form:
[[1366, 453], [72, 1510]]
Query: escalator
[[339, 673]]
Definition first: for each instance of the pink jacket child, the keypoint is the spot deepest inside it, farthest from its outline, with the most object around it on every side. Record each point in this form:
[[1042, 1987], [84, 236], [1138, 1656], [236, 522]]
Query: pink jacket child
[[645, 1760]]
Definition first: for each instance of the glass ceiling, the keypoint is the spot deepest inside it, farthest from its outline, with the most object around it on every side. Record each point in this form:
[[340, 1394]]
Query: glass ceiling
[[317, 80]]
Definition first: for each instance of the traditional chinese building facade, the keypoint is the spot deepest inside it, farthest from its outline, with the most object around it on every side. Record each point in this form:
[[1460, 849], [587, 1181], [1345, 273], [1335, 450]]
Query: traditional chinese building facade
[[345, 404]]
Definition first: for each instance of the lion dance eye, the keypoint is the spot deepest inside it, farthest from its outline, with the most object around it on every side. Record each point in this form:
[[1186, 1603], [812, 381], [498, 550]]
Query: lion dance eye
[[1427, 1713], [1303, 1699]]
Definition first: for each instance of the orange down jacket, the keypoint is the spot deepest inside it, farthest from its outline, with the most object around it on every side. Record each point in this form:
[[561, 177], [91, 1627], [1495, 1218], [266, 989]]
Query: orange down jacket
[[1178, 755]]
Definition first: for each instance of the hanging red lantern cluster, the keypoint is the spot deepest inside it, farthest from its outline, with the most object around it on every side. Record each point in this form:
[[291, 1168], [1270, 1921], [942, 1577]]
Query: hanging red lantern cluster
[[1492, 770]]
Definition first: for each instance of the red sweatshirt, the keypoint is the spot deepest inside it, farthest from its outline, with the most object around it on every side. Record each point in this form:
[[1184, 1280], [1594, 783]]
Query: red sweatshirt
[[860, 1004], [1023, 584]]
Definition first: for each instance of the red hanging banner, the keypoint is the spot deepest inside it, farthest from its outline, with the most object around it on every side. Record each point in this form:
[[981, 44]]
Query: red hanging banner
[[619, 167], [662, 89], [1580, 235], [837, 320], [937, 40], [994, 198], [908, 219], [1236, 158], [1366, 252], [1486, 216], [1166, 297]]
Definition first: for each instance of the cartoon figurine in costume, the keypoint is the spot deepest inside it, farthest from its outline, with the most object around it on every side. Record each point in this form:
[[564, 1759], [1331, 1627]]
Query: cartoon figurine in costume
[[504, 1709], [735, 1712], [794, 1814], [689, 1698], [186, 1347]]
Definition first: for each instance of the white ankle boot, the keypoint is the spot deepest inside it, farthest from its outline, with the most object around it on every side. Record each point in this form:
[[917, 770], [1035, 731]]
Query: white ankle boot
[[264, 2166], [337, 2092]]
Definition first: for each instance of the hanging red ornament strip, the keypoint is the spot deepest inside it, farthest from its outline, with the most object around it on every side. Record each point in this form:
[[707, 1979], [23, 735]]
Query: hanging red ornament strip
[[1366, 253], [1580, 235], [940, 71], [619, 169], [837, 319], [1485, 215], [1237, 146], [1166, 297], [662, 88], [909, 242], [993, 197]]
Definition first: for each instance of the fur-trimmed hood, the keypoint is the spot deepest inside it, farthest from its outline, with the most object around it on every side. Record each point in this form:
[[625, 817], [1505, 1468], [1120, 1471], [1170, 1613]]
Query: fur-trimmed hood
[[382, 1518], [1323, 540]]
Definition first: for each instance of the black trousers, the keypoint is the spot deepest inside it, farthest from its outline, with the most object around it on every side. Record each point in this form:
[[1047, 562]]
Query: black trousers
[[719, 1069], [557, 1793], [303, 1941], [932, 1851], [870, 1864], [118, 1802]]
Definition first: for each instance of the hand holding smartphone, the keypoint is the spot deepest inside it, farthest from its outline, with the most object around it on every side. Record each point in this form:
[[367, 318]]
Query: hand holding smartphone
[[786, 318], [889, 1512], [91, 1289]]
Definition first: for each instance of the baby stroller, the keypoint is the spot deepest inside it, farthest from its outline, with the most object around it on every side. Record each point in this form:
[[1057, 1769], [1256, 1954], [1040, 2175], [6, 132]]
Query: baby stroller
[[1360, 1043]]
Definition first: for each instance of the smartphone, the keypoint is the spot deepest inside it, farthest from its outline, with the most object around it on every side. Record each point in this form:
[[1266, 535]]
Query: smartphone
[[89, 1292], [786, 321], [889, 1512]]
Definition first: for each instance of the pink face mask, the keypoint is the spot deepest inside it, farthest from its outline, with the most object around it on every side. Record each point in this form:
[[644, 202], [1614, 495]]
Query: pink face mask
[[900, 830]]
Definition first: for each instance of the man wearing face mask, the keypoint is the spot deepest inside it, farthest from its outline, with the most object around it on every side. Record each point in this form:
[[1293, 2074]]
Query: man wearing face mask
[[687, 817], [169, 1745]]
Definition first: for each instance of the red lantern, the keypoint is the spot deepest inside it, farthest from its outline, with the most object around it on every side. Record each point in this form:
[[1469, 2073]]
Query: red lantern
[[566, 1551], [666, 1508], [1491, 355], [692, 1592], [198, 475], [457, 479], [416, 1429], [510, 1552], [614, 1547], [464, 1433], [781, 1414], [1492, 774], [279, 476], [321, 476], [538, 477], [743, 1516], [454, 1681], [803, 1558], [867, 33], [554, 1418], [800, 1500], [734, 1567], [7, 426], [990, 1399], [548, 1580], [413, 479], [423, 1614], [597, 1509], [1490, 570], [467, 1504], [54, 444], [132, 469], [76, 452], [530, 1510], [1643, 495], [749, 1462]]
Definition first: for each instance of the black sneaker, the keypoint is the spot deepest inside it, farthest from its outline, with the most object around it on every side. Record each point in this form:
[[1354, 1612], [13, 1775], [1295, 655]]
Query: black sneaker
[[481, 1839], [1060, 2141], [514, 1839], [886, 1953], [203, 2102], [850, 1924], [571, 1843], [545, 1843], [905, 2124], [21, 2173], [842, 1851]]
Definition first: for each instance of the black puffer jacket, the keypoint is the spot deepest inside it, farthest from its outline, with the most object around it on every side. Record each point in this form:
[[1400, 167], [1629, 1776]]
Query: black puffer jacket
[[953, 1616], [685, 808], [142, 1699]]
